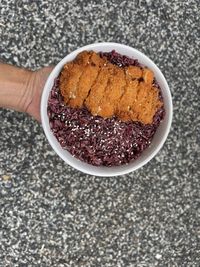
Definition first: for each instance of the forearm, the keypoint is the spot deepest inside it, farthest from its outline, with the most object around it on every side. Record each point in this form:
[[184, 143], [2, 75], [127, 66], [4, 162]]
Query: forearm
[[15, 87], [21, 89]]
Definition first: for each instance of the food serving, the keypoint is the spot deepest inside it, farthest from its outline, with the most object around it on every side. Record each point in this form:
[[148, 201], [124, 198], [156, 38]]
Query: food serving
[[105, 108]]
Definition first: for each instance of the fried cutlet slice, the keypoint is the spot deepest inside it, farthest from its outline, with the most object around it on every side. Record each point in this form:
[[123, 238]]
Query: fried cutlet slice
[[146, 104], [98, 89], [146, 116], [87, 79], [155, 104], [83, 58], [148, 76], [123, 110], [133, 72], [137, 106], [71, 74], [113, 93], [69, 78]]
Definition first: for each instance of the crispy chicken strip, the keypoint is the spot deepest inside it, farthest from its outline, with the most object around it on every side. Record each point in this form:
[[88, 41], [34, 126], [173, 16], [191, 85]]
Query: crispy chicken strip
[[98, 89], [113, 93], [124, 106], [83, 58], [146, 116], [155, 104], [87, 79], [138, 106], [147, 102], [148, 76], [133, 72], [71, 74]]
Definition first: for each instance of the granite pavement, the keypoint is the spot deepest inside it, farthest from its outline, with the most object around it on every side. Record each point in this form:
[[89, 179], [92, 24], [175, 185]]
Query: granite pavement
[[53, 215]]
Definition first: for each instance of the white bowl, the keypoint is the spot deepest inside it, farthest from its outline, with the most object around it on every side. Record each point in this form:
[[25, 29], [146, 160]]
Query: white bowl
[[159, 137]]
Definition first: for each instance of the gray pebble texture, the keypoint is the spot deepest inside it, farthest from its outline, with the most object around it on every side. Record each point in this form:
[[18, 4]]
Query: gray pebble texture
[[54, 216]]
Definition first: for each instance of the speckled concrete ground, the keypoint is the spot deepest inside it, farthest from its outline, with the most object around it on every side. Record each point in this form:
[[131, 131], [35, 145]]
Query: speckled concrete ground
[[53, 215]]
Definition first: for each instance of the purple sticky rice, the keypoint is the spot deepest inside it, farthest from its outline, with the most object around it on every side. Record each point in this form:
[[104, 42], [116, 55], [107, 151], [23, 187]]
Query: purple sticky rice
[[96, 140]]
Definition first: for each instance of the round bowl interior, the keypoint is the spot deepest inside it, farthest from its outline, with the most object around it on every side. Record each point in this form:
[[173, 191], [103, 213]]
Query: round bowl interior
[[159, 137]]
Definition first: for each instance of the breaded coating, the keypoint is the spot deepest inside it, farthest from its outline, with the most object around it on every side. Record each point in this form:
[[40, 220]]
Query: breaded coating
[[98, 89], [147, 76], [69, 79], [123, 110], [140, 102], [107, 90], [114, 90], [145, 104], [134, 72], [83, 58], [71, 74], [87, 79]]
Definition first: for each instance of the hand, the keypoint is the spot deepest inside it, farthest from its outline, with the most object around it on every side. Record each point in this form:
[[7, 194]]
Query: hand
[[36, 85]]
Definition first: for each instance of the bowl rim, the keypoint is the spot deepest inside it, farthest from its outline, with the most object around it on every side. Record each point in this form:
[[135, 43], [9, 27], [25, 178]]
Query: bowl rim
[[48, 134]]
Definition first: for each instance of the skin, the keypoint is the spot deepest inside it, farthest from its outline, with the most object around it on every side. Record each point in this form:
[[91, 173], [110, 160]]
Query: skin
[[21, 89]]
